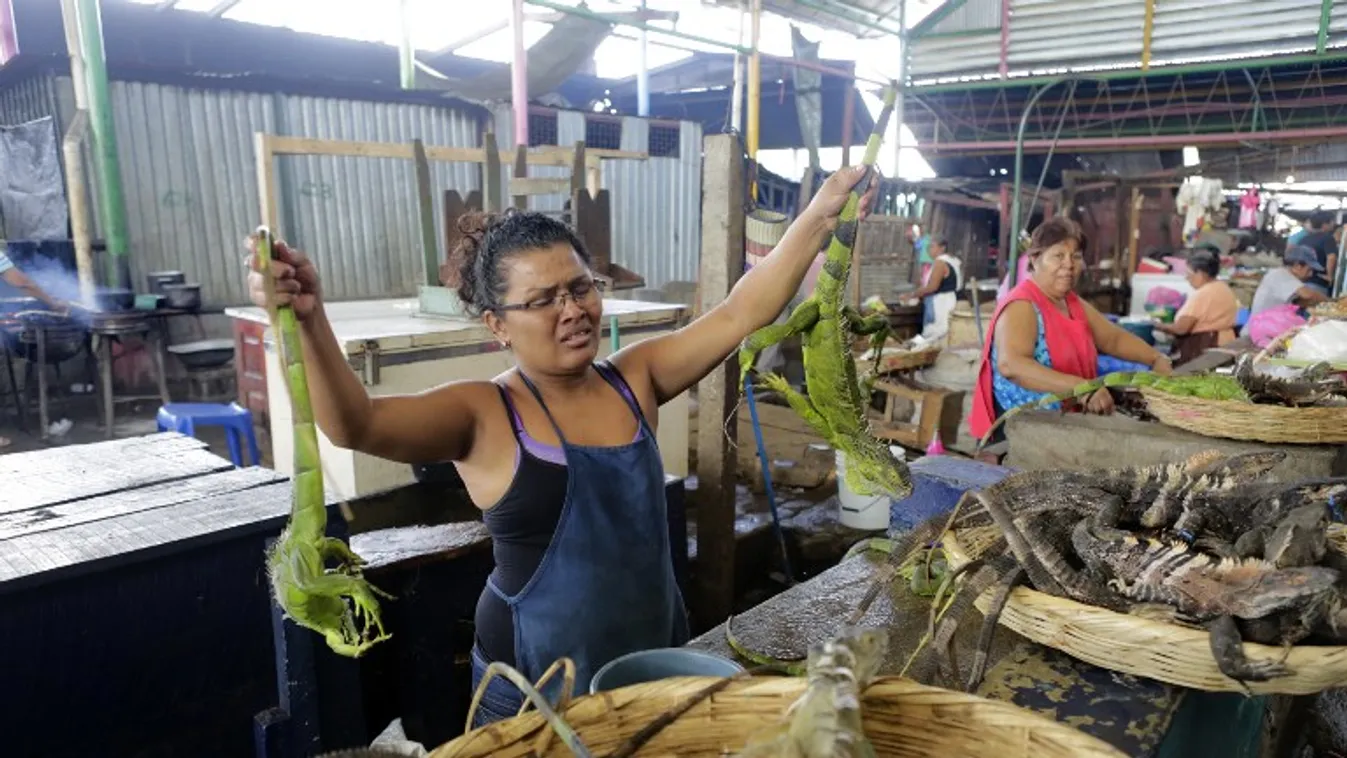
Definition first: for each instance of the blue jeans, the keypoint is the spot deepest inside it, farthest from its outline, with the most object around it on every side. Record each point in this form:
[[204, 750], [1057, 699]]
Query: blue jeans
[[501, 700]]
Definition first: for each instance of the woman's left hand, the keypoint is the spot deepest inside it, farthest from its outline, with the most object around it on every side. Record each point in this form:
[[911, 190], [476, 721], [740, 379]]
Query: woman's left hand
[[1163, 366], [828, 201]]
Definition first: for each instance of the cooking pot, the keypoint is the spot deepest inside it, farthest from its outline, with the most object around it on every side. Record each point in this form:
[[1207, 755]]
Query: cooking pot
[[115, 299], [157, 279], [185, 297]]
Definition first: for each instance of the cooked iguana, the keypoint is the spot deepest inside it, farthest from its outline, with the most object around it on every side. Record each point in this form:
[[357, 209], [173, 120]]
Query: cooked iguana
[[1204, 589], [835, 406], [1309, 386], [1206, 386], [1233, 522], [1125, 493]]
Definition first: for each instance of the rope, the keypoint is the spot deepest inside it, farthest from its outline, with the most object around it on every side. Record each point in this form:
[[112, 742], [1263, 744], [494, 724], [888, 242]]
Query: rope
[[767, 478]]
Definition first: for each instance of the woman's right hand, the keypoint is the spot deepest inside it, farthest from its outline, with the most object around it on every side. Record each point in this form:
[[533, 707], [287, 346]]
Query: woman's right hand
[[296, 279], [1100, 403]]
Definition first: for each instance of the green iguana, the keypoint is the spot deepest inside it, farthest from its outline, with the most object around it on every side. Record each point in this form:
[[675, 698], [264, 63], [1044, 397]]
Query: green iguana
[[835, 406], [1207, 386], [335, 602]]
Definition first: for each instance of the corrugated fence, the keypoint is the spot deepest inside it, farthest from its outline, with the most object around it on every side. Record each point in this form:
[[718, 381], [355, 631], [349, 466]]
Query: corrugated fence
[[190, 182], [656, 202]]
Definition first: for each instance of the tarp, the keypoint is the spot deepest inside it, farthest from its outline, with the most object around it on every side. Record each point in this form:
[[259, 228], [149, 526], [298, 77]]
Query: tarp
[[32, 193]]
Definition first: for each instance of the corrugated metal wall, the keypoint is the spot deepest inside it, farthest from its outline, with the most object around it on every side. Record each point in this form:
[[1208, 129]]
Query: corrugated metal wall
[[1086, 34], [656, 202], [190, 181]]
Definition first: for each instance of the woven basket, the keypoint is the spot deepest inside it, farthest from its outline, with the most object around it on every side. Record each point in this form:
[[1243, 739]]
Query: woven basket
[[1249, 421], [1143, 647], [902, 718]]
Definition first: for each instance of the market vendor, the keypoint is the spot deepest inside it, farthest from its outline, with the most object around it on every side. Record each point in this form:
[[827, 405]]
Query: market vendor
[[939, 292], [1207, 318], [1289, 284], [558, 451], [21, 281], [1046, 339]]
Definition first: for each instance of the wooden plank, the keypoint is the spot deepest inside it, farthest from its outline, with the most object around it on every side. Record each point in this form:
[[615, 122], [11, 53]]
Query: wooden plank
[[544, 156], [577, 181], [401, 547], [492, 201], [119, 504], [89, 474], [426, 206], [521, 171], [82, 549], [539, 185], [51, 459], [722, 263], [268, 211]]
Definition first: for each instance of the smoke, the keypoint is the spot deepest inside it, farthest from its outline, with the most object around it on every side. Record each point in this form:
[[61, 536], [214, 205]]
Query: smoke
[[52, 276]]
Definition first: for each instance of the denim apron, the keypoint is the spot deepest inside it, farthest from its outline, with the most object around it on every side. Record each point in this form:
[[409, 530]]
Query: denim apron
[[605, 586]]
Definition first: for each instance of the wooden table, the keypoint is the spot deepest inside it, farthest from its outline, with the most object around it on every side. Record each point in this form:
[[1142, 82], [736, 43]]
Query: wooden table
[[136, 615]]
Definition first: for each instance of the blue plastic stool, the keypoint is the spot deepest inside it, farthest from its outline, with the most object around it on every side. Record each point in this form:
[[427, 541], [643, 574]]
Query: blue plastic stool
[[236, 420], [1241, 318]]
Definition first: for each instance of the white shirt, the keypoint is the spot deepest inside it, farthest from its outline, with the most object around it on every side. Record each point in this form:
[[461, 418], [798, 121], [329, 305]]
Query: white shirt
[[1277, 288]]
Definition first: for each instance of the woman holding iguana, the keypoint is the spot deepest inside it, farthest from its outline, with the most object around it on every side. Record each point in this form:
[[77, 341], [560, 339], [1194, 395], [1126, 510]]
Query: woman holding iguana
[[1046, 339], [559, 452]]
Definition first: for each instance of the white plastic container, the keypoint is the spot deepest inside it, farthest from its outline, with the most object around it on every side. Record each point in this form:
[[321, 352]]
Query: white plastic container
[[866, 512]]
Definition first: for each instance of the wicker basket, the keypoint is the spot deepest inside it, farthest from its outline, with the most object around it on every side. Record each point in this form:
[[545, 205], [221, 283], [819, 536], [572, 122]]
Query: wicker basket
[[1143, 647], [902, 718], [763, 229], [1249, 421]]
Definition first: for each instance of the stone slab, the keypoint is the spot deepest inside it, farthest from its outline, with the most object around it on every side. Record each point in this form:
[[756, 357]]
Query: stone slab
[[1047, 439]]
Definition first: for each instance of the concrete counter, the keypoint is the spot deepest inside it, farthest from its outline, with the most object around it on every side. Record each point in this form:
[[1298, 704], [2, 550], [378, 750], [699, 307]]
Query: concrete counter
[[1048, 439]]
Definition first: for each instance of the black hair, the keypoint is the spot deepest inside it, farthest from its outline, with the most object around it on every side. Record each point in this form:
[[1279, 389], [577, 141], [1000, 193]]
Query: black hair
[[1205, 260], [489, 240], [1051, 232]]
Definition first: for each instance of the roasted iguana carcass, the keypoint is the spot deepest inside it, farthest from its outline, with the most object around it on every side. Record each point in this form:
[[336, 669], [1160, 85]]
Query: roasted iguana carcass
[[1309, 386], [1215, 592]]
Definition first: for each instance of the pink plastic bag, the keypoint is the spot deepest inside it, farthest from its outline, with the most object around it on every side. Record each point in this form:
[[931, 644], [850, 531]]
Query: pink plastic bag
[[1165, 297], [1272, 323]]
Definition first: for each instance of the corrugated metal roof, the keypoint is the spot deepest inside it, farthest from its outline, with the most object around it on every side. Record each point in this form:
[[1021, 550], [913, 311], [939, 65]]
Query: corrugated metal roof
[[656, 202], [1092, 34]]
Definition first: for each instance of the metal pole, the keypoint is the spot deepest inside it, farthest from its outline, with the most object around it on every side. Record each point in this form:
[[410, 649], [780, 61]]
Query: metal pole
[[754, 92], [105, 143], [737, 91], [643, 74], [406, 53], [1014, 242], [898, 104], [519, 77]]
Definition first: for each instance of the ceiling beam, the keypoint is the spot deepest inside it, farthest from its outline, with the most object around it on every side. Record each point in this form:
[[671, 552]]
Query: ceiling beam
[[221, 8]]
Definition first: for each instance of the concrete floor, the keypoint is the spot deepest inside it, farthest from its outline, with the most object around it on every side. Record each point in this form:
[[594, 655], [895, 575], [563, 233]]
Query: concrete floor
[[133, 419]]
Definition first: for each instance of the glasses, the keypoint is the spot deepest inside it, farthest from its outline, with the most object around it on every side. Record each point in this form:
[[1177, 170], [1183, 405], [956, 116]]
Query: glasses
[[582, 292]]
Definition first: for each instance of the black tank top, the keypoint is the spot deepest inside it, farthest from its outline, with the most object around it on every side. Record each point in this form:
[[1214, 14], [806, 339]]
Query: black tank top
[[950, 283], [521, 525]]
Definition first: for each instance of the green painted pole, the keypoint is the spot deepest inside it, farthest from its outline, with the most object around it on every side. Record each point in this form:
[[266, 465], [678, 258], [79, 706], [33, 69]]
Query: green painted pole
[[1325, 16], [1014, 241], [612, 334], [110, 198]]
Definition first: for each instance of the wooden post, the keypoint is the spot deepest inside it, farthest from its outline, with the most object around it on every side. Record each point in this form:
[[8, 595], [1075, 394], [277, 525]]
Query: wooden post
[[1133, 237], [426, 206], [79, 205], [491, 175], [266, 183], [521, 171], [722, 263]]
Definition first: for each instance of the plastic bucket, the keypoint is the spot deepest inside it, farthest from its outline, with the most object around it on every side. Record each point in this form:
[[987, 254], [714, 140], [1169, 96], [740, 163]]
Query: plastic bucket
[[866, 512], [661, 663]]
